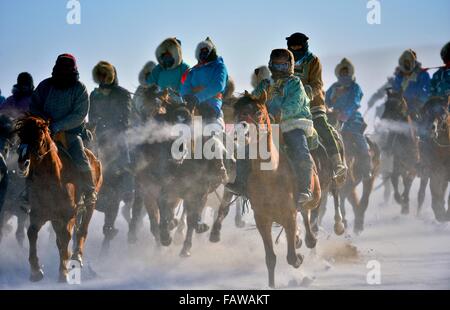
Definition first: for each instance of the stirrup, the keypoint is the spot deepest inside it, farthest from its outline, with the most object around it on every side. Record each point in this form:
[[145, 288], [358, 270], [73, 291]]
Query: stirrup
[[341, 170], [303, 198], [235, 189]]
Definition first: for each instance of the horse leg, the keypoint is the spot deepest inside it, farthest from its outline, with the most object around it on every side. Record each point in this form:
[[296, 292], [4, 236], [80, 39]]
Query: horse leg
[[224, 209], [136, 211], [339, 227], [363, 204], [438, 186], [153, 214], [265, 229], [354, 201], [81, 235], [394, 180], [63, 236], [111, 212], [387, 188], [37, 274], [21, 227], [421, 194], [194, 209], [323, 205], [407, 182], [342, 198], [290, 226], [238, 221], [310, 238], [181, 225]]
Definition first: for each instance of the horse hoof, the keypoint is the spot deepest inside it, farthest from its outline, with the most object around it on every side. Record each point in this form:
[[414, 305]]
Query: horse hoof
[[202, 228], [166, 241], [405, 211], [296, 261], [37, 276], [339, 228], [214, 237], [185, 253], [310, 242]]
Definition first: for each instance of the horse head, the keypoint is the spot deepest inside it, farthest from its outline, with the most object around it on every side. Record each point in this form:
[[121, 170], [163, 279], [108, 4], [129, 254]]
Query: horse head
[[437, 120], [34, 139], [250, 109], [396, 107]]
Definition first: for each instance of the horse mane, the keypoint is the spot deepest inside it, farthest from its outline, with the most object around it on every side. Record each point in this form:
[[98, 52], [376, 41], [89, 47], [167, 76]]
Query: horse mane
[[27, 126]]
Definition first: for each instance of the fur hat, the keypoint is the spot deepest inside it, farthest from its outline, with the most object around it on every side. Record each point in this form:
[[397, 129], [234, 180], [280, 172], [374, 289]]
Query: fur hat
[[144, 73], [104, 73], [410, 55], [283, 53], [345, 63], [259, 74], [207, 43], [173, 46], [445, 53], [297, 39]]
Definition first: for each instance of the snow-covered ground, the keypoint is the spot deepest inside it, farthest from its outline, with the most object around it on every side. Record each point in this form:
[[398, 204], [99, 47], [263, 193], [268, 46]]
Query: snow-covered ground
[[414, 253]]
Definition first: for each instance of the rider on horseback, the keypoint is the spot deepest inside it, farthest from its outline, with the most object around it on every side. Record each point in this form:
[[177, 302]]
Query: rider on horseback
[[440, 83], [344, 98], [412, 82], [309, 69], [63, 100], [287, 101], [203, 88]]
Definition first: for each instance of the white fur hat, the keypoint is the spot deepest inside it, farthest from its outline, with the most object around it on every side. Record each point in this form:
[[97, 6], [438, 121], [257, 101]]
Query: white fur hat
[[207, 43]]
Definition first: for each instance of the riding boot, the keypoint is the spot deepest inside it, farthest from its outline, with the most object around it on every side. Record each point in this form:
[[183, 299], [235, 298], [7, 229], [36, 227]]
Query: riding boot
[[239, 186], [339, 168], [303, 174], [88, 188]]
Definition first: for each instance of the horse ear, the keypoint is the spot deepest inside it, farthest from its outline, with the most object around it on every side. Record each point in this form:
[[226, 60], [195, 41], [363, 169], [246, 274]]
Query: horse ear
[[263, 97], [246, 93], [165, 95]]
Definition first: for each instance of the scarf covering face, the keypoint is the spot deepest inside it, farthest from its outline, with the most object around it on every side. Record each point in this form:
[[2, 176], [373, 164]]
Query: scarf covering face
[[281, 71], [65, 72]]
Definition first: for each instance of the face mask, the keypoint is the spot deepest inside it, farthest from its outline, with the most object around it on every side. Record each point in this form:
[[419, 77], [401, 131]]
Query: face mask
[[284, 67], [167, 61], [345, 80], [203, 56]]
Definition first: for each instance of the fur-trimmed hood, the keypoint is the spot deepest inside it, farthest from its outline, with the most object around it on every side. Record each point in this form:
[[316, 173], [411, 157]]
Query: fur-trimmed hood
[[345, 63], [230, 88], [173, 46], [207, 43], [259, 74], [145, 72], [104, 73], [410, 55]]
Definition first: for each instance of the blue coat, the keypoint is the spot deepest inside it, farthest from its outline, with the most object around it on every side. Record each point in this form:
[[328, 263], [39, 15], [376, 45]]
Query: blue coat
[[440, 83], [207, 82], [417, 90], [347, 103], [168, 78]]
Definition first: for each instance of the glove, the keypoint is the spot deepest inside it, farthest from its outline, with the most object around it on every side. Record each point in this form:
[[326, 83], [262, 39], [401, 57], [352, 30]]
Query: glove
[[191, 101]]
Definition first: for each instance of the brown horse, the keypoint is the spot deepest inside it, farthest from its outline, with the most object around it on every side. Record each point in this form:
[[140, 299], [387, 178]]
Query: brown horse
[[437, 147], [53, 184], [272, 192]]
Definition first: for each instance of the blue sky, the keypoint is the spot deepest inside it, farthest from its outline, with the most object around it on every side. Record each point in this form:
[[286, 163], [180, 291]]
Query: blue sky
[[126, 33]]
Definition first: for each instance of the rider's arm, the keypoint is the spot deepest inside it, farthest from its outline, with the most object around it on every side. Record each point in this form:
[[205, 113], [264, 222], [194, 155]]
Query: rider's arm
[[216, 85]]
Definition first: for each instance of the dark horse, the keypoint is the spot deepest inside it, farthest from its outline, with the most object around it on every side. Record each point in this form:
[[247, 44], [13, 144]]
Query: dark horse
[[11, 185], [403, 145], [355, 177], [6, 133], [437, 149], [53, 184]]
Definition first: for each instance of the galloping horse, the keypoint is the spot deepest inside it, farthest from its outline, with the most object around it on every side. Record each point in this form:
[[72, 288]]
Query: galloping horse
[[403, 145], [272, 192], [53, 185], [438, 149], [11, 185], [354, 177]]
